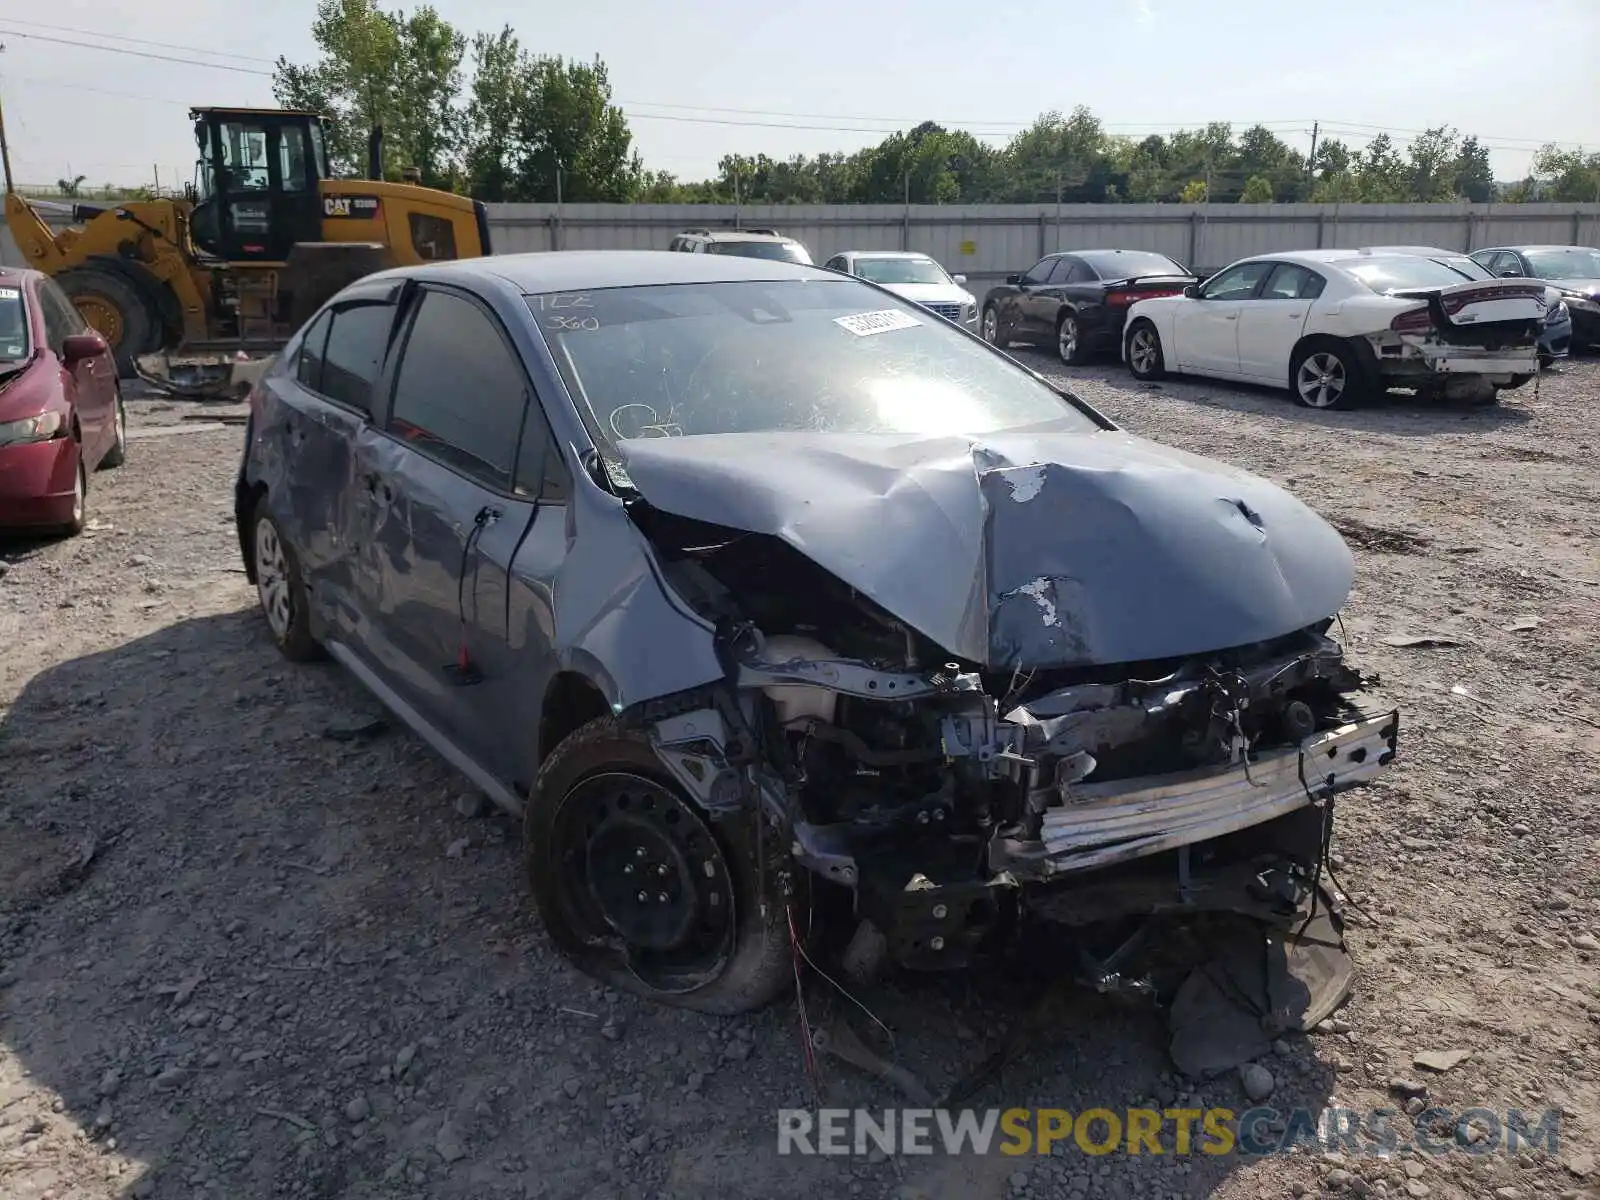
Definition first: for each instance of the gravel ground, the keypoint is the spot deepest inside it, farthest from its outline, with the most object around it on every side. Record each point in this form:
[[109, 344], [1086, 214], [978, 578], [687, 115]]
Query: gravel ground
[[241, 957]]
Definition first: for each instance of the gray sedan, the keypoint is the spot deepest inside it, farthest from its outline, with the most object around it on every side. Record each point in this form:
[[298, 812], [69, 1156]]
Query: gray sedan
[[768, 599]]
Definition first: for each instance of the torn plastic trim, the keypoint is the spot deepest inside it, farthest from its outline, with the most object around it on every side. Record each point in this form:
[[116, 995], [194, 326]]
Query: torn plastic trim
[[1103, 824]]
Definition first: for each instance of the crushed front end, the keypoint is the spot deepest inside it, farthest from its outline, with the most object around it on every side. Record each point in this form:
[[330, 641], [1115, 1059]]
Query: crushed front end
[[954, 803]]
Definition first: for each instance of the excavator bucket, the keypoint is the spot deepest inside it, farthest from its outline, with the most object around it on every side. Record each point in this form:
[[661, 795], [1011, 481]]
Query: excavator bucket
[[203, 376]]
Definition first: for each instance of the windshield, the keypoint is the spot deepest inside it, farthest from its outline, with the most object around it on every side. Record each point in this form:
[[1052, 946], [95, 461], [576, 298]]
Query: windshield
[[1469, 268], [13, 326], [1395, 274], [1580, 262], [1128, 264], [782, 251], [901, 270], [790, 356]]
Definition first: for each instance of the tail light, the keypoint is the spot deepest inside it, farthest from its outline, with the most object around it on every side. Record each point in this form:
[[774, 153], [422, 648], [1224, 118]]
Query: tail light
[[1413, 320], [1125, 299]]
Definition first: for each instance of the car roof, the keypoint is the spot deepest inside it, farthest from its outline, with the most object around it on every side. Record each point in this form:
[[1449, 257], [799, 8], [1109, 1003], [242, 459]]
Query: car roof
[[1525, 249], [1419, 251], [578, 270], [736, 235], [887, 254]]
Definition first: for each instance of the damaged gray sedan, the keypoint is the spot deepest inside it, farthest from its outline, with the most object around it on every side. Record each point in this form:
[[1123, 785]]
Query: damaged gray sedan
[[768, 600]]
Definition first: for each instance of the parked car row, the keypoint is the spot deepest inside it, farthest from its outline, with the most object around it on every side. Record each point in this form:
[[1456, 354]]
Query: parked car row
[[61, 414], [1331, 326]]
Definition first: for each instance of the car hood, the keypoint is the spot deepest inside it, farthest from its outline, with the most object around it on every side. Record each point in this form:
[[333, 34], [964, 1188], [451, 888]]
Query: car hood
[[931, 293], [26, 392], [1589, 287], [1033, 548]]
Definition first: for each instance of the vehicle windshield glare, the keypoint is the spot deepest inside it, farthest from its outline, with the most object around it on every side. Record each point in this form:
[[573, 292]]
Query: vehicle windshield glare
[[13, 326], [812, 356], [781, 251], [1467, 266], [1130, 264], [901, 270], [1580, 262], [1397, 273]]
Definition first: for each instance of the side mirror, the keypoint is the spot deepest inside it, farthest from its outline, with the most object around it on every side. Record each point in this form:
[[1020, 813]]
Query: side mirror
[[1013, 278], [80, 346], [961, 279], [1192, 291]]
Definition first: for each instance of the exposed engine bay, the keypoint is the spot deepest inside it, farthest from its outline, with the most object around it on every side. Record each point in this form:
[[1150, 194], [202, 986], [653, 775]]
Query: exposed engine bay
[[955, 801]]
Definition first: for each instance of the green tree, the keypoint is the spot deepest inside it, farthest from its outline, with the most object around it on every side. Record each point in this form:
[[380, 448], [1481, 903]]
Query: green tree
[[1567, 175], [1194, 192], [496, 101], [427, 127], [1257, 190], [71, 187], [1474, 177], [570, 125], [1431, 173]]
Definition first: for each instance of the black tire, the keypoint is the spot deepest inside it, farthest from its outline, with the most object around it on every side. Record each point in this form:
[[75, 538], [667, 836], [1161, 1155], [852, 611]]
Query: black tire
[[1141, 367], [1071, 352], [989, 327], [1339, 380], [288, 611], [1513, 383], [94, 290], [605, 785], [80, 516], [118, 454]]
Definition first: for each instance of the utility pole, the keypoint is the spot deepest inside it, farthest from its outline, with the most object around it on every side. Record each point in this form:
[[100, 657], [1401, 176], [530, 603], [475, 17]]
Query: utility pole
[[5, 149], [1311, 161]]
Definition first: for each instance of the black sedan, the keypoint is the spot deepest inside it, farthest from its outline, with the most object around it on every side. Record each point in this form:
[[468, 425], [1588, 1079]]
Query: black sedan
[[1078, 299], [1573, 270]]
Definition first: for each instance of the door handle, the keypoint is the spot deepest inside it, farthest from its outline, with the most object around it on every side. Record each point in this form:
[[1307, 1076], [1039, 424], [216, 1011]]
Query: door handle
[[1230, 316]]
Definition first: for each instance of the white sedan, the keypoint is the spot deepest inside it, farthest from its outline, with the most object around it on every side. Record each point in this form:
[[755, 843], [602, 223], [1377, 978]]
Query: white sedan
[[1335, 325]]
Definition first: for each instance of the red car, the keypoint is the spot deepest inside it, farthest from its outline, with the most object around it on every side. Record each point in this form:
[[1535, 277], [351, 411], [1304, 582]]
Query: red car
[[61, 413]]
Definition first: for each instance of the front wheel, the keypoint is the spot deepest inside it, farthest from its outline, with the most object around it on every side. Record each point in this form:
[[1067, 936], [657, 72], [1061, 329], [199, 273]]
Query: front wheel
[[77, 521], [991, 326], [638, 889], [1145, 359], [1325, 375], [282, 591]]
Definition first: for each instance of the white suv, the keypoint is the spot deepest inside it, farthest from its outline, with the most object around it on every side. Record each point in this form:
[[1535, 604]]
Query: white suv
[[747, 243]]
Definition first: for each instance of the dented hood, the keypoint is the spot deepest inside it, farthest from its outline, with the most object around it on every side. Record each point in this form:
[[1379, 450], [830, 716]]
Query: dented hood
[[1024, 548]]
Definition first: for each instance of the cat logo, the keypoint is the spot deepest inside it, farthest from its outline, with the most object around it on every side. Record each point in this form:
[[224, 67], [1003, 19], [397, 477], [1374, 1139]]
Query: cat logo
[[360, 208]]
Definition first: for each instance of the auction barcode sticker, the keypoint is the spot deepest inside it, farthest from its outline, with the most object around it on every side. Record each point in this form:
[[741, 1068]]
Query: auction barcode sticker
[[10, 294], [867, 323]]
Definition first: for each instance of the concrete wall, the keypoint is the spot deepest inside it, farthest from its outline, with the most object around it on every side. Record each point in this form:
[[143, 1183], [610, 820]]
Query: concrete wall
[[987, 241]]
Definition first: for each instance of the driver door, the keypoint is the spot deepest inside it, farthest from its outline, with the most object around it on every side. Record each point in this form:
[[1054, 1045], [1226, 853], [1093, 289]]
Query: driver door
[[1206, 329]]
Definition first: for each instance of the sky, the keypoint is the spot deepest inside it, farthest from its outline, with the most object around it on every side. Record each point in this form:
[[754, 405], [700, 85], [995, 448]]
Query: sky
[[703, 78]]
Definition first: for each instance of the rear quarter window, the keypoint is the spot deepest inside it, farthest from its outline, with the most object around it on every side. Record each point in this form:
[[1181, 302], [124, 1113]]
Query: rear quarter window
[[354, 354]]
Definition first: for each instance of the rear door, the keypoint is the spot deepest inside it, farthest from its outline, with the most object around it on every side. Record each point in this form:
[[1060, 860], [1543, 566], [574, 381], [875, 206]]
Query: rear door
[[1271, 324], [93, 392], [1206, 329], [449, 514]]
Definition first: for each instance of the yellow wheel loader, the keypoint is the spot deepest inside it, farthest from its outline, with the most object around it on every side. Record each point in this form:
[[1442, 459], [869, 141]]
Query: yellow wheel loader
[[198, 292]]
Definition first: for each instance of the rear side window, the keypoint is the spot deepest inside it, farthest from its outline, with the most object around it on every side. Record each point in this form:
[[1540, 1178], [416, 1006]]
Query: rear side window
[[460, 392], [354, 353], [308, 371]]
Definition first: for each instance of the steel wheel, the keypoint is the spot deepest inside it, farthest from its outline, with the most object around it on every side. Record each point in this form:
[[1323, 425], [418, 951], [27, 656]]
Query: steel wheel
[[1144, 353], [991, 326], [638, 868], [1067, 340], [273, 583], [1322, 380]]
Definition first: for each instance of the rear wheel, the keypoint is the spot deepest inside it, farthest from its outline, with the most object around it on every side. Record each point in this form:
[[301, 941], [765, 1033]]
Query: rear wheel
[[1325, 375], [1069, 341], [282, 591], [639, 889], [1143, 351], [991, 326], [116, 310]]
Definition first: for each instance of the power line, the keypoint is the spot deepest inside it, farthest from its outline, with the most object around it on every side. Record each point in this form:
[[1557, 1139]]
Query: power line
[[122, 37], [188, 62], [978, 128]]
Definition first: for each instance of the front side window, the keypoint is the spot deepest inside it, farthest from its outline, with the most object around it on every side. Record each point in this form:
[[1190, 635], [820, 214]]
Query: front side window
[[15, 344], [1040, 271], [354, 355], [433, 238], [802, 356], [293, 162], [61, 316], [1237, 282], [244, 154], [460, 393]]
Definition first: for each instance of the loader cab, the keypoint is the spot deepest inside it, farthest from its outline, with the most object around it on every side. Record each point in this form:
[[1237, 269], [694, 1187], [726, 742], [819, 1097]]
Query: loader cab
[[256, 182]]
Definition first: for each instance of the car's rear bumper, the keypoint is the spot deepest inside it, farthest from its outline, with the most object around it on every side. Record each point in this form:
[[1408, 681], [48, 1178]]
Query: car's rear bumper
[[37, 483]]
